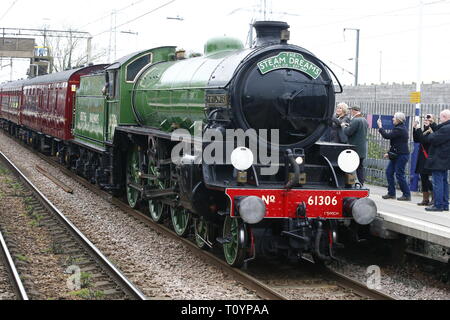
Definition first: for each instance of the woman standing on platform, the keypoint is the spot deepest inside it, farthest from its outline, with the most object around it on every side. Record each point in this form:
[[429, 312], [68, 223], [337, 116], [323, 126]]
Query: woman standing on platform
[[337, 135], [429, 126], [398, 156]]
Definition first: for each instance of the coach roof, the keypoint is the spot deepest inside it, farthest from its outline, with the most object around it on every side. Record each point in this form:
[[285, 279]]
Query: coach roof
[[13, 84], [53, 77]]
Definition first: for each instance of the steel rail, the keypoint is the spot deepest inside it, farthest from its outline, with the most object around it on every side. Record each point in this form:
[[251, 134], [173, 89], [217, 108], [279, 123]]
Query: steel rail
[[14, 274], [115, 273], [248, 281], [263, 290], [356, 286]]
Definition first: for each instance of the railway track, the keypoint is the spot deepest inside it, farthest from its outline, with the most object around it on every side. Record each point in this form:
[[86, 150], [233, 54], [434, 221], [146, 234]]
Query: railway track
[[106, 278], [266, 290], [270, 290], [8, 270]]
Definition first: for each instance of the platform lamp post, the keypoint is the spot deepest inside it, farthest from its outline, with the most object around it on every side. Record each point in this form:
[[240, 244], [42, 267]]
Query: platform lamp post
[[357, 53], [416, 97]]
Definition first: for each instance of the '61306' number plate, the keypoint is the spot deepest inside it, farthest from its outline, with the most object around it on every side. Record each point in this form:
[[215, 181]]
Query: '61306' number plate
[[322, 201]]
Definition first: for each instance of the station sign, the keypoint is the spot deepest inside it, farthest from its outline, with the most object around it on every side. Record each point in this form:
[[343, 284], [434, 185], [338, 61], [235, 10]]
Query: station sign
[[416, 97]]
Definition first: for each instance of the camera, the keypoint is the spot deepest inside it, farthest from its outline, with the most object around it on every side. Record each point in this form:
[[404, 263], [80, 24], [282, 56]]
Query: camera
[[428, 116]]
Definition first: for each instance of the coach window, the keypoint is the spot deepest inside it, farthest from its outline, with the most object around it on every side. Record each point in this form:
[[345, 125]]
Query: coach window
[[137, 65]]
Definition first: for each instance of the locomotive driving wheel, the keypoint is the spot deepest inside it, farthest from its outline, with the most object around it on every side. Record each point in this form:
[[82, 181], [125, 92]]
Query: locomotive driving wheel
[[157, 209], [203, 232], [181, 219], [235, 236], [132, 176]]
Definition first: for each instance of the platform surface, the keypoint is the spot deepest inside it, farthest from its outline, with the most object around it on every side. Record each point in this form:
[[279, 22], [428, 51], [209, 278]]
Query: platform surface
[[410, 219]]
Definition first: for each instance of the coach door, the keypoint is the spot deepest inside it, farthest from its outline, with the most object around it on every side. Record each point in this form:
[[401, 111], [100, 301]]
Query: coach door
[[112, 103]]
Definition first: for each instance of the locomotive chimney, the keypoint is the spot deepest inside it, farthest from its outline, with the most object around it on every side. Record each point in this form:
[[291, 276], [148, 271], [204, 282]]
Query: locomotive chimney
[[271, 32]]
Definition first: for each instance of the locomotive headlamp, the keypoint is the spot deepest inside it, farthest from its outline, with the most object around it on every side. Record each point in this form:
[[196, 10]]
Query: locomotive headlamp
[[252, 209], [242, 159], [299, 161], [348, 161]]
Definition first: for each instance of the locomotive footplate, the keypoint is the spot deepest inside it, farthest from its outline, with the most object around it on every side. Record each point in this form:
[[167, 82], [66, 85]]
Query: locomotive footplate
[[282, 203]]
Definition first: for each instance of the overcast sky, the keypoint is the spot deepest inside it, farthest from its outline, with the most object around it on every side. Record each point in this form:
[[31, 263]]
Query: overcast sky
[[388, 42]]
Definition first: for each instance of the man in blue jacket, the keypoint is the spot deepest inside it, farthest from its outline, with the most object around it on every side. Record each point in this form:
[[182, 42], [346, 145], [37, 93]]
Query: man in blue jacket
[[399, 138], [439, 162]]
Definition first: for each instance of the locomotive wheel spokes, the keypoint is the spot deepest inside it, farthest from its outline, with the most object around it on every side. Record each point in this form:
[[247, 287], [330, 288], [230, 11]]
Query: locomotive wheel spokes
[[180, 220], [234, 248], [132, 176], [202, 231], [156, 209]]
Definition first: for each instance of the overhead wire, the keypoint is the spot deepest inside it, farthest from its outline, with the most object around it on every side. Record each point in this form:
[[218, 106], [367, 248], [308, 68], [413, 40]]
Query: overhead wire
[[376, 14], [394, 32], [9, 9], [136, 18], [109, 14]]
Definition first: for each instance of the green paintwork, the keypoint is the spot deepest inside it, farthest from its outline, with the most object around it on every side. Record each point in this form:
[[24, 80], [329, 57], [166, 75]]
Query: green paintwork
[[167, 94], [202, 228], [97, 115], [156, 208], [172, 95], [181, 219], [90, 110], [233, 250], [215, 45], [133, 176], [122, 108]]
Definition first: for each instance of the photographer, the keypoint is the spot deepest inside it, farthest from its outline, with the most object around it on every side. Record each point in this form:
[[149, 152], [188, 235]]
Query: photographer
[[429, 126], [398, 156], [439, 162]]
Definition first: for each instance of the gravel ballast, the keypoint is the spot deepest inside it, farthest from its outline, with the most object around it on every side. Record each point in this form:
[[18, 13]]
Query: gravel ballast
[[161, 267]]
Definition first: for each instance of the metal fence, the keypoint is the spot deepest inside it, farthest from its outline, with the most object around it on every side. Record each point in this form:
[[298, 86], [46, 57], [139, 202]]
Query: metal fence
[[377, 146]]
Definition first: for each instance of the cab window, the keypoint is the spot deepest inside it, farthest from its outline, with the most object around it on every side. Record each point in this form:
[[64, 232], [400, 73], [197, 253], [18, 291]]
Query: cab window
[[137, 65]]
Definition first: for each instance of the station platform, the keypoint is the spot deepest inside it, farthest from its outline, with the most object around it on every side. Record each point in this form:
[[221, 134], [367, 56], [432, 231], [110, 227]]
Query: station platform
[[409, 219]]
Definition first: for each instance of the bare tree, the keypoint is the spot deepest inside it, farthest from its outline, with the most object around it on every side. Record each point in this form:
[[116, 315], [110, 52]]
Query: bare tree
[[69, 52]]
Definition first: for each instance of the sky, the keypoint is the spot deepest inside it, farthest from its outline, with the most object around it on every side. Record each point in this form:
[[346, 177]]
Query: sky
[[389, 30]]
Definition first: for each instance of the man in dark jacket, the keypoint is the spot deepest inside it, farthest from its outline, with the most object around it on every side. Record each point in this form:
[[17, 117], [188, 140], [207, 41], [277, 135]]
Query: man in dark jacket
[[424, 149], [399, 137], [357, 136], [439, 162]]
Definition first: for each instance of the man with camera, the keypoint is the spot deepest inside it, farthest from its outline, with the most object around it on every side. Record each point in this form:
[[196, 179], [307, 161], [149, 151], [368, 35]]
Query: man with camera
[[429, 126], [438, 162], [398, 155]]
